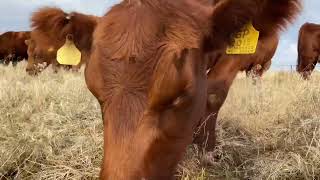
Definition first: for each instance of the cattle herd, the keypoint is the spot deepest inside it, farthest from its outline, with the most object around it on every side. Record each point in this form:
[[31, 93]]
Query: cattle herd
[[160, 70]]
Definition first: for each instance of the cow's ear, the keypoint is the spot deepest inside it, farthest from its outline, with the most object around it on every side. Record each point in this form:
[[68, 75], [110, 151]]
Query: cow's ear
[[230, 16], [239, 13]]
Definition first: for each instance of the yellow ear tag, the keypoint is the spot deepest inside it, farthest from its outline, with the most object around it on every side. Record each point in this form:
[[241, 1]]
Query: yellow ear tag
[[69, 54], [245, 41]]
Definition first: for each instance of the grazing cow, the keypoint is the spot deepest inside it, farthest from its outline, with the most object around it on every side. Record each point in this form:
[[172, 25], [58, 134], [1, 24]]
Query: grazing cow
[[224, 67], [256, 65], [308, 49], [51, 27], [253, 64], [148, 72], [12, 47]]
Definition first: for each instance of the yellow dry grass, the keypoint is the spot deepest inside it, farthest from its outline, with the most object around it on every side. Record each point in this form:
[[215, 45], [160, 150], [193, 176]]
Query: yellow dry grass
[[51, 128]]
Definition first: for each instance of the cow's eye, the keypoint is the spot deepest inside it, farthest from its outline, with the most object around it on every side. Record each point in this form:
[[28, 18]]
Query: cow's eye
[[183, 100]]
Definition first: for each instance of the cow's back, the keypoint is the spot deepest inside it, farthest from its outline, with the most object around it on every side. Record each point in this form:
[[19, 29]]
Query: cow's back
[[13, 43], [309, 38], [5, 43]]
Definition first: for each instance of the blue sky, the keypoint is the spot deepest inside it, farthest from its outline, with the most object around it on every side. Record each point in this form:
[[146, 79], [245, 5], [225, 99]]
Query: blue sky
[[15, 15]]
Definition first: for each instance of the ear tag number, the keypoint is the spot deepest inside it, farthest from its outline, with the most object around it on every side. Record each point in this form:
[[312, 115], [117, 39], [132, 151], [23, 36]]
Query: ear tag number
[[245, 41]]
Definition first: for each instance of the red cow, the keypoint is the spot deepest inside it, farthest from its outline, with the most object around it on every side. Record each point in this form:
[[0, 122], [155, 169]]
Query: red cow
[[148, 71], [50, 29], [308, 49], [223, 67], [256, 65], [12, 47]]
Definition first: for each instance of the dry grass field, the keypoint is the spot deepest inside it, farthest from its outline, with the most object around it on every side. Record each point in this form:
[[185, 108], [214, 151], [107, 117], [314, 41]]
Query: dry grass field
[[51, 128]]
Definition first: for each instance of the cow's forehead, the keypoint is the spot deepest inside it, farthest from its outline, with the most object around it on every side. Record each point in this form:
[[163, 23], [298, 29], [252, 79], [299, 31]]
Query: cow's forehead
[[43, 43]]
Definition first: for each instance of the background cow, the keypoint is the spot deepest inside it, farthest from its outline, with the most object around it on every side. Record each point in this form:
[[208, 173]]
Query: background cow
[[12, 47], [223, 68], [50, 28], [256, 64], [148, 71], [308, 49]]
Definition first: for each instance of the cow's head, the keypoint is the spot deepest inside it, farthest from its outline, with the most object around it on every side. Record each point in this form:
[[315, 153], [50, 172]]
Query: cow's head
[[150, 113], [40, 55], [50, 28], [148, 71], [306, 65], [305, 68]]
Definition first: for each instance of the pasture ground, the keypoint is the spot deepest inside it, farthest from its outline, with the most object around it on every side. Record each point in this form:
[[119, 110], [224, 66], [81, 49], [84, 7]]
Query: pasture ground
[[51, 128]]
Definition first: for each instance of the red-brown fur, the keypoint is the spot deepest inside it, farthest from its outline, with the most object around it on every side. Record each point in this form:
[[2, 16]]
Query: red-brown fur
[[206, 2], [12, 47], [308, 49], [223, 68], [148, 71], [258, 65], [50, 26]]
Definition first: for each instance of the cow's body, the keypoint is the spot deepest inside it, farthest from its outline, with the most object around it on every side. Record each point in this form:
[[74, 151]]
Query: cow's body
[[308, 49], [148, 72], [50, 27], [12, 46]]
